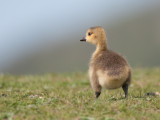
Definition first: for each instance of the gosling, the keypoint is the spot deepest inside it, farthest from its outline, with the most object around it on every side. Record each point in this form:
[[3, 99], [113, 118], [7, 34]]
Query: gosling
[[107, 69]]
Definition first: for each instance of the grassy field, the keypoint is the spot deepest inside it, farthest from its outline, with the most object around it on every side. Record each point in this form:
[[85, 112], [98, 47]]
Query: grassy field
[[69, 96]]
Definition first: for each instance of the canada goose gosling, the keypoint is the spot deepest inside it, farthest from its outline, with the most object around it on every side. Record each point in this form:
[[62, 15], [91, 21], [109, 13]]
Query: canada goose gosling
[[107, 69]]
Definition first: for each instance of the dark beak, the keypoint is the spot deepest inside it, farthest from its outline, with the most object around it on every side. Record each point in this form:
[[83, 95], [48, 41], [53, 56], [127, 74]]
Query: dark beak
[[83, 39]]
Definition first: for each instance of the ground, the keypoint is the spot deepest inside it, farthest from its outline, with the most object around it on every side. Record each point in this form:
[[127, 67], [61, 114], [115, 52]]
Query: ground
[[68, 96]]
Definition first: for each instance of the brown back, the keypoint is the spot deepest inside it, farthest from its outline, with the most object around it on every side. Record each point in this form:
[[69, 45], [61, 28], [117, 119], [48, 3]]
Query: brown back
[[109, 61]]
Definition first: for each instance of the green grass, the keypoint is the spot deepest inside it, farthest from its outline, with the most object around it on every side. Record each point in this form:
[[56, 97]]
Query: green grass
[[69, 96]]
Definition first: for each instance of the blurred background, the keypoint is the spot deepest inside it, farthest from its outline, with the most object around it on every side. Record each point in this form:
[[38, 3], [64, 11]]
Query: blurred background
[[40, 36]]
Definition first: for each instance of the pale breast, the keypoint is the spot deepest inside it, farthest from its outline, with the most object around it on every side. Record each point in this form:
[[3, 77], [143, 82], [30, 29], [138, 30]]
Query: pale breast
[[90, 73], [111, 82]]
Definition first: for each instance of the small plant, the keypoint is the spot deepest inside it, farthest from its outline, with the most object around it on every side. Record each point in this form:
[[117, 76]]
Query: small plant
[[69, 96]]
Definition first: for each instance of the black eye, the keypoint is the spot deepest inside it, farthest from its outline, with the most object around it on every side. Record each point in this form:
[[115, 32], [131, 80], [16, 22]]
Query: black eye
[[89, 33]]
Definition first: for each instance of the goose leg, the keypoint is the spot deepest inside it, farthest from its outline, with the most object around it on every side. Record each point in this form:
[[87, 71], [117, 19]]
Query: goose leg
[[95, 84], [125, 89], [97, 94]]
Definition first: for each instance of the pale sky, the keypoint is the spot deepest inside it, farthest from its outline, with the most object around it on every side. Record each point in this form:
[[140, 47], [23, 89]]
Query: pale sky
[[24, 24]]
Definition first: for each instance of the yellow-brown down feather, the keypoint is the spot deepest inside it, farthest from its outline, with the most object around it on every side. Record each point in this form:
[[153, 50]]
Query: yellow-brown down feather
[[107, 68]]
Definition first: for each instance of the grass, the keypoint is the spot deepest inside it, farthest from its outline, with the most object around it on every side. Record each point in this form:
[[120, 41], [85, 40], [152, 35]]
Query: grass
[[69, 96]]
